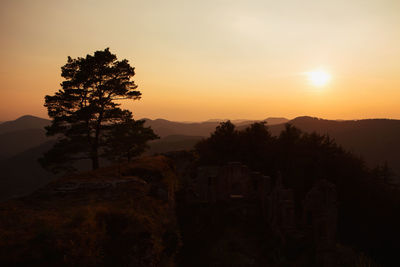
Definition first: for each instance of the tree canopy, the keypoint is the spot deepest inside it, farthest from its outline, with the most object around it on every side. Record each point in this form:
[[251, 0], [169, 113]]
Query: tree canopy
[[85, 110], [128, 139]]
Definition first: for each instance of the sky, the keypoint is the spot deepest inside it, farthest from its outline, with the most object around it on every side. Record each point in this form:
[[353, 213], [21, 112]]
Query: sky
[[199, 60]]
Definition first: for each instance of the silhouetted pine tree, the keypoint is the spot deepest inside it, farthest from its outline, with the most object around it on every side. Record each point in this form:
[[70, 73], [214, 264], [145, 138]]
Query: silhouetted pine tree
[[84, 110]]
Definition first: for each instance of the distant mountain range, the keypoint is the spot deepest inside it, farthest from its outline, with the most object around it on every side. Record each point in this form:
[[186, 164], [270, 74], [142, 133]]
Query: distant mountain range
[[165, 127], [375, 140], [270, 121], [23, 141], [28, 132]]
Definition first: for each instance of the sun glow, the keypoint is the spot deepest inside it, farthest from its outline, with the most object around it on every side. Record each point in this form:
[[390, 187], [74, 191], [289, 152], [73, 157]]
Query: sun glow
[[318, 78]]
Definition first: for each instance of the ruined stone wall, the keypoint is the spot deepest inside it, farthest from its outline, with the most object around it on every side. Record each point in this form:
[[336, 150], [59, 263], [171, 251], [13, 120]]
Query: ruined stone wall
[[281, 215], [232, 181], [319, 217]]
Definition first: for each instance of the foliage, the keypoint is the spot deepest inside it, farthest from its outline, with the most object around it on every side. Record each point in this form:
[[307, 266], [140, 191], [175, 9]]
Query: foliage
[[219, 146], [128, 139], [86, 107], [256, 143]]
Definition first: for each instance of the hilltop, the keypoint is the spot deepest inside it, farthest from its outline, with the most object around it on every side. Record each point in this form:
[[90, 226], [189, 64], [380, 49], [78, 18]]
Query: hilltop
[[115, 216], [375, 140], [23, 123]]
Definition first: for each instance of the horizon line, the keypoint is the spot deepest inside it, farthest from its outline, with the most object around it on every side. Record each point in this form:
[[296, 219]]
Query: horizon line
[[221, 120]]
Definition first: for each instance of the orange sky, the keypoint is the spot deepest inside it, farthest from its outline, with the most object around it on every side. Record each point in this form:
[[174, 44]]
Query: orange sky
[[197, 60]]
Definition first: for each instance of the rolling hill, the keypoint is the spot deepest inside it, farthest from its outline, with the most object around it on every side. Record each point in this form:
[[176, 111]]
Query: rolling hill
[[22, 173], [22, 134], [165, 127], [23, 141], [173, 142], [375, 140], [23, 123], [12, 143]]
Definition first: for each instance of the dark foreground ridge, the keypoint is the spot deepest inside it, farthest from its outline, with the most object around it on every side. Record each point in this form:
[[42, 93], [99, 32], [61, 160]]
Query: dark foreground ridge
[[116, 216], [173, 211]]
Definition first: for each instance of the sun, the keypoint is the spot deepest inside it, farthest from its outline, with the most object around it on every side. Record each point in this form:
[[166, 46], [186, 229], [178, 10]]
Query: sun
[[318, 78]]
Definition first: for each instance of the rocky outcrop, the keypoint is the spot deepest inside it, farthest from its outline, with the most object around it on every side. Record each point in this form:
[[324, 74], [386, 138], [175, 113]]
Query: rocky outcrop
[[116, 216], [320, 218], [231, 181], [317, 221]]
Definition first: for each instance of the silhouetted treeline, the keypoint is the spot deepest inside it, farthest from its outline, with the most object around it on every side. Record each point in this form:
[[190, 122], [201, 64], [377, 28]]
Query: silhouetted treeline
[[369, 208]]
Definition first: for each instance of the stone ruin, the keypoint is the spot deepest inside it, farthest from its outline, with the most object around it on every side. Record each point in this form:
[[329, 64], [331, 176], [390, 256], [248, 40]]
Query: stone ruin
[[232, 181], [281, 208], [318, 220]]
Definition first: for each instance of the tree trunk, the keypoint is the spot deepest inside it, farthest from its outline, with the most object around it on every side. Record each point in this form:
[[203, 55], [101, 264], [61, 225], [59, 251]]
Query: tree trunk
[[95, 158]]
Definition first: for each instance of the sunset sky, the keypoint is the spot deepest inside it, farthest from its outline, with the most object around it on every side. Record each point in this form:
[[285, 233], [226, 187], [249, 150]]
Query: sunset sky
[[197, 60]]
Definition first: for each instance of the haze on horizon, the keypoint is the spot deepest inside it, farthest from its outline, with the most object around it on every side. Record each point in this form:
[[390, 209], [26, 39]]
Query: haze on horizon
[[199, 60]]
